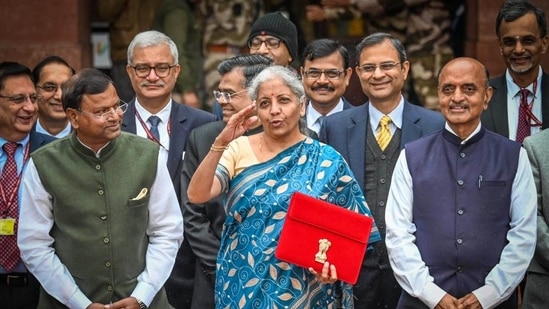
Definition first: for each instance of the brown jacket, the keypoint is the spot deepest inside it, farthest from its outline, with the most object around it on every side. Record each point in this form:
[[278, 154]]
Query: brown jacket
[[126, 18]]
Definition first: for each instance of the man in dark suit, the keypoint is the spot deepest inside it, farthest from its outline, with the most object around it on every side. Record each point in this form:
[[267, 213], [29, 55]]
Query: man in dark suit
[[520, 104], [204, 222], [19, 110], [326, 73], [153, 69], [371, 146]]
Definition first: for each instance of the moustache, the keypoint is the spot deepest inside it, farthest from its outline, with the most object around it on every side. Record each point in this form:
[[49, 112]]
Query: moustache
[[323, 87], [459, 105], [157, 83]]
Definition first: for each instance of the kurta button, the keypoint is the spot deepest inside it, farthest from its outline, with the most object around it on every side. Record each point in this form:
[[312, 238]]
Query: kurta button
[[103, 217], [460, 212], [460, 182], [108, 264], [98, 167], [459, 269], [100, 192], [382, 180], [383, 157], [109, 287], [462, 155], [459, 241], [381, 203], [106, 240]]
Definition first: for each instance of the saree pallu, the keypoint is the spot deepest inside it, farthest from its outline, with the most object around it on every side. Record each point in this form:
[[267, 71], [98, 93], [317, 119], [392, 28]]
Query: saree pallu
[[248, 273]]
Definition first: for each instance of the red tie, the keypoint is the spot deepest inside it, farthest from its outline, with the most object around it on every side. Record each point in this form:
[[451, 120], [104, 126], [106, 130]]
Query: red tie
[[523, 128], [9, 254]]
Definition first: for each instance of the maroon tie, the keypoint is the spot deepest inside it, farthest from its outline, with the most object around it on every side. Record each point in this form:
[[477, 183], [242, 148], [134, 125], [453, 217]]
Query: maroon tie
[[523, 128], [9, 254]]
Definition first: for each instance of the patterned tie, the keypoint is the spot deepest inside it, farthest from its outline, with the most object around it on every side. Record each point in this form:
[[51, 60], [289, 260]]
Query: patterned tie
[[384, 132], [523, 127], [9, 254], [154, 121]]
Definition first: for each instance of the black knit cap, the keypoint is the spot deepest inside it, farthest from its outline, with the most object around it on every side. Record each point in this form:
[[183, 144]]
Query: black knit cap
[[280, 27]]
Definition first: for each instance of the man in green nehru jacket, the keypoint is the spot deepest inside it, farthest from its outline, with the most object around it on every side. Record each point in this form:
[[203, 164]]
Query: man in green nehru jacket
[[100, 223]]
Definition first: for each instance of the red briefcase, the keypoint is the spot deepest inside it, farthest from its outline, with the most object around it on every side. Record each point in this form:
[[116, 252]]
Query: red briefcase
[[316, 231]]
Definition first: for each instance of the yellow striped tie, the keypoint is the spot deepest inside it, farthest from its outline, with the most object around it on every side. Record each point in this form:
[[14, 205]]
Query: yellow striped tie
[[384, 132]]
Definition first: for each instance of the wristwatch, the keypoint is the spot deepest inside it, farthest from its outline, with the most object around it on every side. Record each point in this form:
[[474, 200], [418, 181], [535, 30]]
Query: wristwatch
[[141, 303]]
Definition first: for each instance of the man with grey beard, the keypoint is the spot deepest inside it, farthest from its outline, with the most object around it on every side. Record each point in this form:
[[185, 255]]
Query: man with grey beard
[[520, 104]]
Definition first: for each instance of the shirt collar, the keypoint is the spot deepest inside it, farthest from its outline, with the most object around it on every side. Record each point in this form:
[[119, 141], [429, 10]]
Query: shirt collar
[[477, 129], [163, 114], [313, 115], [395, 114], [513, 89]]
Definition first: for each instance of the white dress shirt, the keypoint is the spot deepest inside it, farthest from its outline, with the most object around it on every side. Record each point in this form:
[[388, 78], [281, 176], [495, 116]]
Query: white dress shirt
[[165, 231], [164, 116], [411, 272], [513, 103], [313, 116]]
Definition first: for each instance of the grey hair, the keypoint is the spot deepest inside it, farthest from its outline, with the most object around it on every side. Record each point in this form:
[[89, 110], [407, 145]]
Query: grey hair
[[152, 38], [286, 75]]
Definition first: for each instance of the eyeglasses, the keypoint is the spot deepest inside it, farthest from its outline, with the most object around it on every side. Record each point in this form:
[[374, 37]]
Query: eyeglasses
[[161, 70], [49, 87], [270, 43], [331, 74], [384, 66], [105, 114], [227, 97], [20, 98]]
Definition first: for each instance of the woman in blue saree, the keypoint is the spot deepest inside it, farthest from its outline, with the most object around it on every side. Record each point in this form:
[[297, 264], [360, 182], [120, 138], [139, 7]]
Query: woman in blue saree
[[259, 173]]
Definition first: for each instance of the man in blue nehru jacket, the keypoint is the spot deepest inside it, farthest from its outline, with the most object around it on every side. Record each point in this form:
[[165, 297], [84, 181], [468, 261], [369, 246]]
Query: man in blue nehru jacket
[[461, 212]]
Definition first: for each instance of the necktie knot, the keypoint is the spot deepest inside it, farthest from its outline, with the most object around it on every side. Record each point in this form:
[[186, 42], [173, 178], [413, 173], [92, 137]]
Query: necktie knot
[[154, 121], [384, 132], [524, 93], [10, 148], [321, 120], [385, 121]]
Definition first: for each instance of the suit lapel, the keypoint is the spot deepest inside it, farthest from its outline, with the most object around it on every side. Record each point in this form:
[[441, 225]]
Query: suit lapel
[[178, 135], [545, 101], [357, 140], [499, 110], [128, 123], [410, 130]]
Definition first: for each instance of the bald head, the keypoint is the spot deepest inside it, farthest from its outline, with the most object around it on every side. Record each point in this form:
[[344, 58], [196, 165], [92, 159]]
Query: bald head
[[463, 92], [465, 63]]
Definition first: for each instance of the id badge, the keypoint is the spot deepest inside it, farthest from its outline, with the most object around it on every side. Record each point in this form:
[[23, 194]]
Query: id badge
[[7, 226]]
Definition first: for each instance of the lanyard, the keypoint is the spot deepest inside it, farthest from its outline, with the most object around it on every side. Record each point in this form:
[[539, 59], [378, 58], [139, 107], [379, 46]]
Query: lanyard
[[10, 197], [148, 132], [528, 107]]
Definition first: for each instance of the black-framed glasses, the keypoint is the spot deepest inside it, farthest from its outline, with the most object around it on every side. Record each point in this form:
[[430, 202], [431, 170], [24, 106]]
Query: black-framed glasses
[[227, 96], [270, 43], [330, 74], [21, 98], [161, 70], [49, 87], [384, 66], [105, 114]]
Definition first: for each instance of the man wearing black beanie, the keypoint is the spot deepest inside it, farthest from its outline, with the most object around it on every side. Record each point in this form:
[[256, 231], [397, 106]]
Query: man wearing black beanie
[[267, 34], [273, 36]]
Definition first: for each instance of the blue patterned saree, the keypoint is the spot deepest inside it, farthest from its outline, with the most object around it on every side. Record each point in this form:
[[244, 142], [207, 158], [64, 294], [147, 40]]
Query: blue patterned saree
[[248, 273]]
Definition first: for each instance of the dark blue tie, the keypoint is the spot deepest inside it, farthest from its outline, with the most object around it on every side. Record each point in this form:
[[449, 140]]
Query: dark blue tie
[[154, 121]]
